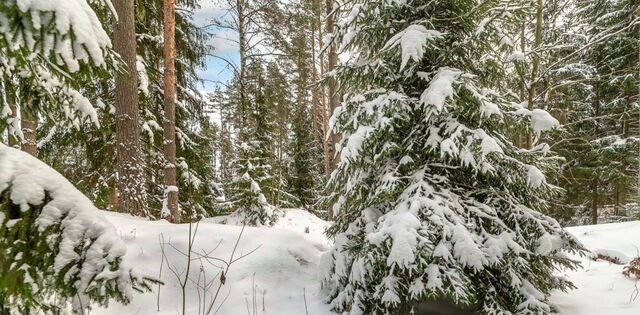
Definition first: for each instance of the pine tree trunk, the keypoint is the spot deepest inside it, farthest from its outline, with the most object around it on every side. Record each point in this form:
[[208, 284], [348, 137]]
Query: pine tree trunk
[[223, 151], [521, 137], [620, 188], [130, 178], [242, 45], [334, 98], [315, 95], [170, 176], [29, 131], [536, 62], [594, 175], [326, 150]]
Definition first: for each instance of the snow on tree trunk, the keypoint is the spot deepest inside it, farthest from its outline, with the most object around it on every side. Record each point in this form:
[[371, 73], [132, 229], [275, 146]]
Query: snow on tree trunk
[[432, 201], [55, 248]]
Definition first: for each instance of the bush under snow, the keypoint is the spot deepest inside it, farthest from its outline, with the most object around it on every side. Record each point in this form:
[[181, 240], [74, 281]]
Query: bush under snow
[[55, 247]]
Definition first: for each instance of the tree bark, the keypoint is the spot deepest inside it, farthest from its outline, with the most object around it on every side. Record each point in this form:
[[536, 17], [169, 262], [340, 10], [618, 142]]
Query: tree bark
[[536, 62], [29, 131], [326, 150], [594, 176], [315, 94], [242, 45], [130, 179], [334, 98], [169, 51], [594, 201], [12, 139]]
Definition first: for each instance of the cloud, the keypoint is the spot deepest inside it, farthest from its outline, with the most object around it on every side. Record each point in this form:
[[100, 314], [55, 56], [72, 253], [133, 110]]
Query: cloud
[[210, 9], [224, 42]]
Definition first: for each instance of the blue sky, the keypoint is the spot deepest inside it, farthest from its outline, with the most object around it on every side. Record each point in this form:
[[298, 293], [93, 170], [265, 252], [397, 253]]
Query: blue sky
[[223, 43]]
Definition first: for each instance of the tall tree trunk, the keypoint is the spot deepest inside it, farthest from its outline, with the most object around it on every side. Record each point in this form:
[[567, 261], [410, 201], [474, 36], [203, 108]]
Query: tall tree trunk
[[620, 187], [29, 131], [334, 98], [315, 94], [326, 149], [130, 178], [170, 177], [536, 62], [595, 176], [222, 141], [242, 45], [521, 137]]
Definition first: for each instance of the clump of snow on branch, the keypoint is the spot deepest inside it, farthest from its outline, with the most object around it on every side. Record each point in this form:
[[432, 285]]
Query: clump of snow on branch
[[440, 88], [412, 41], [541, 120], [142, 75], [67, 17]]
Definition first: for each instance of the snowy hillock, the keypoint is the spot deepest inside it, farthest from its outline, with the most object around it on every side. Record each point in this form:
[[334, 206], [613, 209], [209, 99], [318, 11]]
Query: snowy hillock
[[278, 273]]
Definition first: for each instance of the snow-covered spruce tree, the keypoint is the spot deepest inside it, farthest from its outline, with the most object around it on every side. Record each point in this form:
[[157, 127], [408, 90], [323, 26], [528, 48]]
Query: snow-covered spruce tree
[[250, 192], [244, 194], [432, 200]]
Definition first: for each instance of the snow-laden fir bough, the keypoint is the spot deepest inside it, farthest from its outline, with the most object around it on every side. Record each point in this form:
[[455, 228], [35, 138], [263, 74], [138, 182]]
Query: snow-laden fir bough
[[56, 251], [47, 47], [432, 200]]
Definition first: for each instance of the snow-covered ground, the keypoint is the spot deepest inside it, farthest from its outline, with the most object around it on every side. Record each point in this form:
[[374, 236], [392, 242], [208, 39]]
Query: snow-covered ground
[[283, 270], [602, 289]]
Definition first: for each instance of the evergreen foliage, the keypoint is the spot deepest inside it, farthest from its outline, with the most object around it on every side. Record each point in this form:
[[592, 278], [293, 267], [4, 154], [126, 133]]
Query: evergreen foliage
[[432, 200], [597, 102], [55, 249], [251, 192], [92, 163]]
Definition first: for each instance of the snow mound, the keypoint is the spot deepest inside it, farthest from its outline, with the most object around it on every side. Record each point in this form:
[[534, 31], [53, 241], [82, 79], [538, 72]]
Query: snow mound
[[618, 256], [278, 275]]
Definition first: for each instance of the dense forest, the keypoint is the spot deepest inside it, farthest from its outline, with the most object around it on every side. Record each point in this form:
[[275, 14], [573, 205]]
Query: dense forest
[[445, 145]]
